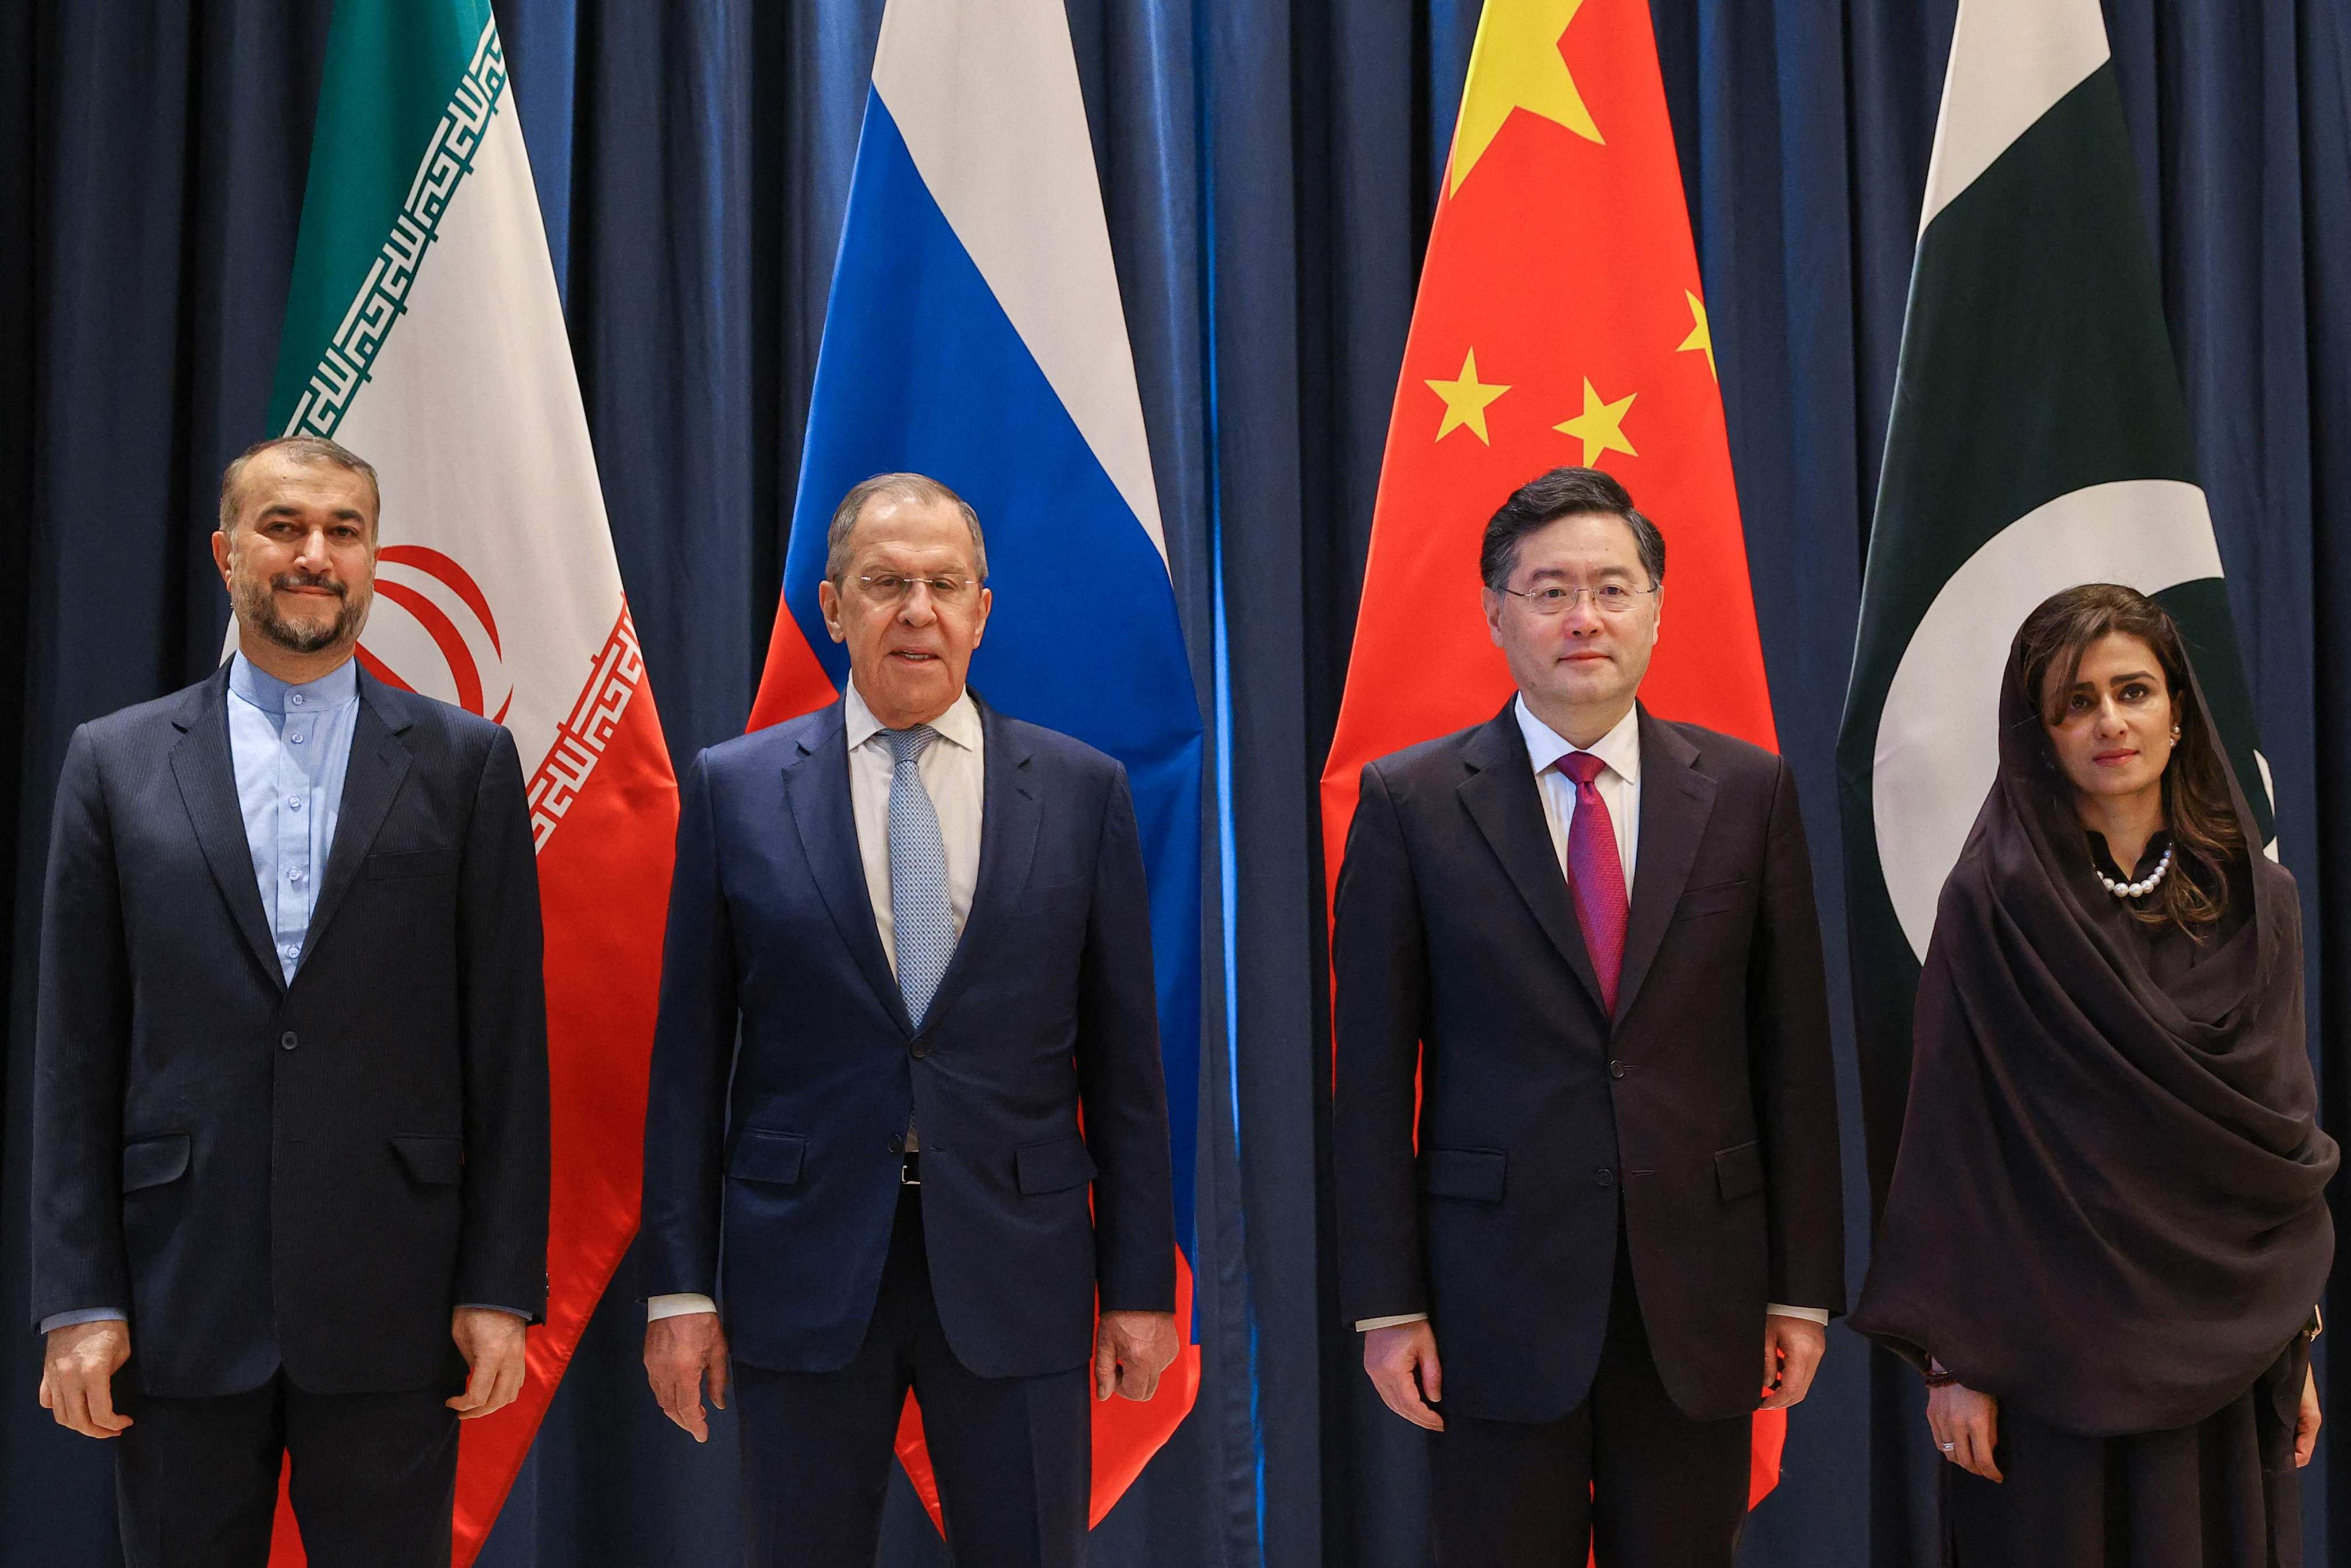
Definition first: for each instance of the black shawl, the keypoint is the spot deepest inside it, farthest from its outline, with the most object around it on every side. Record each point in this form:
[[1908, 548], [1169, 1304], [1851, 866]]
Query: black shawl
[[2108, 1209]]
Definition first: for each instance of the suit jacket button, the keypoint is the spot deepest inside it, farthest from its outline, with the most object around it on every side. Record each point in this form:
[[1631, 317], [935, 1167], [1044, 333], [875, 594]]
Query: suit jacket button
[[897, 1144], [1617, 1069], [922, 1049], [1604, 1177], [287, 1039]]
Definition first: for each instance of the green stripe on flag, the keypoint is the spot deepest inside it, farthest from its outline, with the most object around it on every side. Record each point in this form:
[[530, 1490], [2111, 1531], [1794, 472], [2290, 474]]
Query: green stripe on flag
[[2034, 362], [405, 87]]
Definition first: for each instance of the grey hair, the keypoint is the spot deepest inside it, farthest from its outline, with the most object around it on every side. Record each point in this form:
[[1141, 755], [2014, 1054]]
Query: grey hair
[[918, 488], [301, 449]]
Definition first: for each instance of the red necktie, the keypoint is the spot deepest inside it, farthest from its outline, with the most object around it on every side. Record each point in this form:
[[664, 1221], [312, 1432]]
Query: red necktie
[[1596, 874]]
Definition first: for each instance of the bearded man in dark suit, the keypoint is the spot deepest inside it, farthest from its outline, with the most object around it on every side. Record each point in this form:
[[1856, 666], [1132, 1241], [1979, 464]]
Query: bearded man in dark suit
[[291, 1106]]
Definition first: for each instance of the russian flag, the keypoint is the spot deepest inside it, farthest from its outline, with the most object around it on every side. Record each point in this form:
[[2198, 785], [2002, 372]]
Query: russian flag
[[974, 334]]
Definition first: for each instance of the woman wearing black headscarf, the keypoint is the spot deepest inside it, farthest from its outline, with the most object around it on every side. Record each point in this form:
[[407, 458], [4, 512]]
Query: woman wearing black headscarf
[[2106, 1229]]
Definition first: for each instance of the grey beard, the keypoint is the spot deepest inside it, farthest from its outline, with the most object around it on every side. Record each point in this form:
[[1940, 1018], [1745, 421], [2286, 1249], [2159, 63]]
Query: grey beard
[[256, 608]]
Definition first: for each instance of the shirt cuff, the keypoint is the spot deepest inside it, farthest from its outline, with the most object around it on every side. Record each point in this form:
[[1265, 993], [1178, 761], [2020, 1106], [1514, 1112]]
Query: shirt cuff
[[677, 1306], [1365, 1325], [1809, 1314], [86, 1315], [494, 1307]]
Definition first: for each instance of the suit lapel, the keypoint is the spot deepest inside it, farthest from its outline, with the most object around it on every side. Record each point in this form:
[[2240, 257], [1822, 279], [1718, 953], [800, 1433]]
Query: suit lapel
[[1501, 797], [378, 766], [1675, 800], [202, 767], [816, 787], [1009, 812]]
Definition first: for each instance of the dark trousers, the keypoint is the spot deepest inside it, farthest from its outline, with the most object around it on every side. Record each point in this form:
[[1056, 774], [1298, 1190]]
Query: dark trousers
[[1624, 1476], [1011, 1455], [374, 1475]]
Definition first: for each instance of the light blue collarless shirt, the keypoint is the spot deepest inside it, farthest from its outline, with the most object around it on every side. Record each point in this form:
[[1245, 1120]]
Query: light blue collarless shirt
[[291, 747]]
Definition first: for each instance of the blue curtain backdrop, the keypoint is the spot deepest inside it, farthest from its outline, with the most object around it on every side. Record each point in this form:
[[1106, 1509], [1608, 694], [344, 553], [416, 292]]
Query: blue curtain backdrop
[[1269, 167]]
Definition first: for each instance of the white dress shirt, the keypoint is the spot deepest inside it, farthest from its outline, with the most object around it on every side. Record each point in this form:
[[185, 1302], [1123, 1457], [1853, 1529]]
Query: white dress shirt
[[954, 772], [1619, 785]]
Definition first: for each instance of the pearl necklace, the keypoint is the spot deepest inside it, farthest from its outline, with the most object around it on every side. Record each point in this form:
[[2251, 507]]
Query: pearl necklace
[[2135, 889]]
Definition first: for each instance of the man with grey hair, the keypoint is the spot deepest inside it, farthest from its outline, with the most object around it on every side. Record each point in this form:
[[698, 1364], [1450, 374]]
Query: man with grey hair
[[290, 1104], [909, 948]]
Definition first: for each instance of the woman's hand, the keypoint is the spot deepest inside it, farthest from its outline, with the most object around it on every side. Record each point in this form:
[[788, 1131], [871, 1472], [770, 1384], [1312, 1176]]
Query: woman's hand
[[2305, 1427], [1966, 1425]]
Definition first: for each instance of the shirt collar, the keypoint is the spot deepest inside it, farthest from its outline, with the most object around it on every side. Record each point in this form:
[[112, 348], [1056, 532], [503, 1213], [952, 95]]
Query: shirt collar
[[338, 687], [959, 723], [1620, 749]]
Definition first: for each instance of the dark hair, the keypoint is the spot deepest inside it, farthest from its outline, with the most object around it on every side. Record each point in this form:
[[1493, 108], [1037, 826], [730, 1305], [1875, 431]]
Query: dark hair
[[1564, 493], [918, 488], [300, 449], [2196, 808]]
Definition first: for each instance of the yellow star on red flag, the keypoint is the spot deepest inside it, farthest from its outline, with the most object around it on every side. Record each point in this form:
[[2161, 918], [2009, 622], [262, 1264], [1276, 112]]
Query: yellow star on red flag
[[1466, 398], [1702, 336], [1601, 425], [1515, 64]]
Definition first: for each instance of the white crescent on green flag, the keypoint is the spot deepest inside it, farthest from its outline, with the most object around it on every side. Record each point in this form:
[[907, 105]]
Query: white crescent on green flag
[[425, 332], [2039, 439]]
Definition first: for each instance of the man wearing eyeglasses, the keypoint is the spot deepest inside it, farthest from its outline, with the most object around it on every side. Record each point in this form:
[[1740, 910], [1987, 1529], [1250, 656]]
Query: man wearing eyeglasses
[[927, 924], [1585, 1122]]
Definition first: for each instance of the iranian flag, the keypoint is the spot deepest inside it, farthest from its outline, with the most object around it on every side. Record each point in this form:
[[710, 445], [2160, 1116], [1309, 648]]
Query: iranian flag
[[424, 331], [2039, 440], [1560, 320]]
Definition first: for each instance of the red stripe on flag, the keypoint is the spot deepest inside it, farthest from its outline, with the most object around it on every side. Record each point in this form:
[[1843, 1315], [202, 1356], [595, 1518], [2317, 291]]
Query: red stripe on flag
[[603, 879], [793, 683]]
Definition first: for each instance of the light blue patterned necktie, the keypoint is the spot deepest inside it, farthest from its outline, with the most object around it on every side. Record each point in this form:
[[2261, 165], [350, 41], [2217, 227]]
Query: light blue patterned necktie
[[922, 920]]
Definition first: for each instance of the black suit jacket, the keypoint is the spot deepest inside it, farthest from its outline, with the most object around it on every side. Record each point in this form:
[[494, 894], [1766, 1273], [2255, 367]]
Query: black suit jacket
[[792, 1139], [1706, 1107], [311, 1176]]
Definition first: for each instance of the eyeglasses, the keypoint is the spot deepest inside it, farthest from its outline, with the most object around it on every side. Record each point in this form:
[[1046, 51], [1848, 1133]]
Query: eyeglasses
[[1608, 597], [891, 588]]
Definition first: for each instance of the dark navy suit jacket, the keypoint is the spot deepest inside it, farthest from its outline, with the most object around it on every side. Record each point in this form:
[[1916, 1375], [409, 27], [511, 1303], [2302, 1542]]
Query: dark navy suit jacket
[[1700, 1119], [789, 1147], [310, 1175]]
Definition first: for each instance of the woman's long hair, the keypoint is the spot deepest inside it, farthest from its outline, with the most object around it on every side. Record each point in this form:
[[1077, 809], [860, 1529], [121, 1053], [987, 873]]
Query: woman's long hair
[[2205, 833]]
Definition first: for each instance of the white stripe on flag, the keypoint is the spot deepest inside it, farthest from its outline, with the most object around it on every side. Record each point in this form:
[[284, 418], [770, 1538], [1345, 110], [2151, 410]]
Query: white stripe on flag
[[2012, 60], [987, 98]]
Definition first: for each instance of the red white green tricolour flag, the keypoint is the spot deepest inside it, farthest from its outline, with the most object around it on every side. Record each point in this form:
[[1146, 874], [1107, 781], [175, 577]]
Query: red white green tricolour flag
[[424, 331], [1559, 322]]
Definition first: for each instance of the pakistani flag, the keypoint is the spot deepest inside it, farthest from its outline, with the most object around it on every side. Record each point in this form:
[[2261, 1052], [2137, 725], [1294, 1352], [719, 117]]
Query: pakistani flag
[[424, 331], [2038, 440]]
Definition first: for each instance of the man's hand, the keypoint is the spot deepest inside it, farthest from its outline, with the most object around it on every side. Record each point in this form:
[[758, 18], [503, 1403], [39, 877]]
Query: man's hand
[[1793, 1348], [2305, 1426], [678, 1352], [1131, 1349], [78, 1370], [492, 1344], [1402, 1361], [1966, 1425]]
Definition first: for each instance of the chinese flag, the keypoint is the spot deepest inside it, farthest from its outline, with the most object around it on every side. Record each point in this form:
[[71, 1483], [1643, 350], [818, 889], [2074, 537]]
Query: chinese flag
[[1560, 320]]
